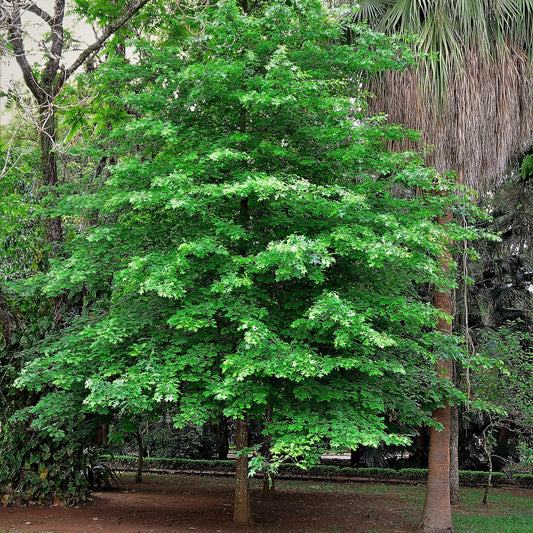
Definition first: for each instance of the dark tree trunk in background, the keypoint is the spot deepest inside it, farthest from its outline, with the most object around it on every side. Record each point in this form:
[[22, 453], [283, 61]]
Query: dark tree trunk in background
[[269, 489], [140, 459], [47, 140], [222, 437], [421, 451], [242, 513]]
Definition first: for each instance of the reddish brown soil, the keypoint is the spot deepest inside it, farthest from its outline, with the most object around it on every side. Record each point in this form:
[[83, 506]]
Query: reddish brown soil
[[179, 504]]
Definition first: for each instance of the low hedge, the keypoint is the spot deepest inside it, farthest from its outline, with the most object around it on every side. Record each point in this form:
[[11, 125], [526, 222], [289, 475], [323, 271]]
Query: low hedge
[[466, 477], [318, 470], [414, 474], [470, 478], [202, 465], [525, 480]]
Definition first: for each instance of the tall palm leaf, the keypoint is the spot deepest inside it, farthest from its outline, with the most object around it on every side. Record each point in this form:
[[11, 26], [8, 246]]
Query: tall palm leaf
[[471, 97]]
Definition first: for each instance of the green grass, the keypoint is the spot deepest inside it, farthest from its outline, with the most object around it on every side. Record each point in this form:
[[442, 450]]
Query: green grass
[[495, 524], [508, 511]]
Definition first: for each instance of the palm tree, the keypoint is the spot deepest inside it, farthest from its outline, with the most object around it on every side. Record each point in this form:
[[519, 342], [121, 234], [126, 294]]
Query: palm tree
[[471, 98]]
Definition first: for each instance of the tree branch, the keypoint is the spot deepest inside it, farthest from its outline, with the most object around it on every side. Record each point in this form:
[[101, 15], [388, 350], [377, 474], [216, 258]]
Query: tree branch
[[56, 48], [15, 37], [41, 13], [131, 10]]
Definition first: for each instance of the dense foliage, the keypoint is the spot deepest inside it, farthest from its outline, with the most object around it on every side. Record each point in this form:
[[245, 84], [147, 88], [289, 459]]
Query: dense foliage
[[260, 245]]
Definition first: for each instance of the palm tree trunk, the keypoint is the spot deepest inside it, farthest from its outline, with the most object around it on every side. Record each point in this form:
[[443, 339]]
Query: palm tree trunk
[[454, 455], [437, 514], [242, 513]]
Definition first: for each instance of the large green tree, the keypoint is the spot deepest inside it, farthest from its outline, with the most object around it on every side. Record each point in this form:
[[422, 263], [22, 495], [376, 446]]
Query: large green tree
[[261, 246]]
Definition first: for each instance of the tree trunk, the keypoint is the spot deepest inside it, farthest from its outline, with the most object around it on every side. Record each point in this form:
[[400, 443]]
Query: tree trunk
[[242, 513], [140, 459], [437, 514], [421, 450], [222, 437], [487, 434], [47, 140], [353, 458], [269, 489], [454, 455]]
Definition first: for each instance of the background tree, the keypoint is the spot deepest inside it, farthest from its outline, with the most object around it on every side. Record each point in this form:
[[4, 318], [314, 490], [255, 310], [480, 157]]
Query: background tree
[[501, 389], [46, 83], [471, 97]]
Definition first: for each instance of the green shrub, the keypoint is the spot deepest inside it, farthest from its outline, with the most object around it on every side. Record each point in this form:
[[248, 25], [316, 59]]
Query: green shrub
[[35, 466], [166, 463], [370, 473], [291, 468], [324, 470], [413, 474], [473, 478], [525, 480], [350, 472]]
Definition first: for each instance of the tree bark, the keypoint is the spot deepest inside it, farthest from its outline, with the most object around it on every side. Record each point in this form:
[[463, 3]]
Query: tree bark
[[437, 514], [140, 459], [454, 455], [242, 513], [269, 489], [47, 140]]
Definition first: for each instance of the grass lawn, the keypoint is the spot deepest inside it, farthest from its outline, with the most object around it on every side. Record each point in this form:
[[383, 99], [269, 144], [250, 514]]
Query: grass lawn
[[508, 510]]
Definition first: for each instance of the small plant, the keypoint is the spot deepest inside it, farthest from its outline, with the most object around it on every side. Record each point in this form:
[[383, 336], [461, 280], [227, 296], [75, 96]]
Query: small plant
[[100, 475]]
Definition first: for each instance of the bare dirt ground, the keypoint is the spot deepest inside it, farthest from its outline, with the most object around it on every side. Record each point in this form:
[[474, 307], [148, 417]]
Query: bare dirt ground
[[185, 504]]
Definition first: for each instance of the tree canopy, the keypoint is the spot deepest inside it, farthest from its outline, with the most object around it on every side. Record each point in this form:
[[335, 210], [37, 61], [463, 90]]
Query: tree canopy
[[256, 242]]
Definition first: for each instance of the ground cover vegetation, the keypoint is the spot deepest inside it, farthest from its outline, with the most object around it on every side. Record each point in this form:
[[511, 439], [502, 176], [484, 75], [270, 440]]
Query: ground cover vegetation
[[235, 241]]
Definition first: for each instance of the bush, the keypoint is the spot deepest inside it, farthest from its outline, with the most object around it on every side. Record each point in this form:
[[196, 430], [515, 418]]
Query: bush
[[165, 463], [291, 468], [526, 480], [324, 470], [414, 474], [36, 467], [350, 472], [191, 441], [472, 478], [377, 473]]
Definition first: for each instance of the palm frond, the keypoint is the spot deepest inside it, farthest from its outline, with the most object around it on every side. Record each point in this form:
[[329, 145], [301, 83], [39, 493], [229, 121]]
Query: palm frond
[[471, 96]]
